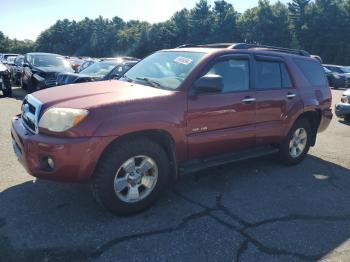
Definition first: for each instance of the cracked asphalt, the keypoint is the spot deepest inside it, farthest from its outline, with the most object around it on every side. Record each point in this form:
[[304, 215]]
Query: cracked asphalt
[[257, 210]]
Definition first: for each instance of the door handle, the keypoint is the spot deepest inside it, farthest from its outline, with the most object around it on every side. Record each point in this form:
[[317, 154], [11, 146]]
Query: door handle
[[291, 95], [248, 100]]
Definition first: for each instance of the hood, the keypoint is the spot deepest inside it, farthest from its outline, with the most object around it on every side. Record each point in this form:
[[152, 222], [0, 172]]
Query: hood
[[53, 69], [69, 78], [96, 94]]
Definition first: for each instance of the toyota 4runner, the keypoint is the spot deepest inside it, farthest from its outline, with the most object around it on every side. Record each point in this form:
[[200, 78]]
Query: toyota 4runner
[[175, 112]]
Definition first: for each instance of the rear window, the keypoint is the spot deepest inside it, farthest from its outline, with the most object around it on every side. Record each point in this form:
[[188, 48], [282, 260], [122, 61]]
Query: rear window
[[312, 70]]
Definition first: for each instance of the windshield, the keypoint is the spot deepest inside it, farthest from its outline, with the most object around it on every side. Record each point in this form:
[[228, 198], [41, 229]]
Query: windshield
[[100, 69], [164, 69], [345, 69], [49, 61], [327, 70], [11, 59]]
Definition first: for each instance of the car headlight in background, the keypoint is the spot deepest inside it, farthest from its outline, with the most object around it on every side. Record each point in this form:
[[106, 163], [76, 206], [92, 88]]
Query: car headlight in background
[[62, 119], [3, 68], [344, 99]]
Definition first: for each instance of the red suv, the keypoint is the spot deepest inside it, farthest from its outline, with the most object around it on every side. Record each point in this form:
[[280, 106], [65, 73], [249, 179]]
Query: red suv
[[175, 112]]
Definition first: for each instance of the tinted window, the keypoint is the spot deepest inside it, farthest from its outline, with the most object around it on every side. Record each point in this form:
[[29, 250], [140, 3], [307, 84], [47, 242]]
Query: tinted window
[[268, 75], [286, 80], [312, 70], [234, 72]]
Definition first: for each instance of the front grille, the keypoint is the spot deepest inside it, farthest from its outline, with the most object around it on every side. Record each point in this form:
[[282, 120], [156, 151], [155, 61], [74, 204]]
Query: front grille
[[30, 113], [50, 79], [347, 83]]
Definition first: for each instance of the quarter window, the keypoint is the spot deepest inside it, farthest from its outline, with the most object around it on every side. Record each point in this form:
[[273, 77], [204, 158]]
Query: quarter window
[[234, 73], [312, 70]]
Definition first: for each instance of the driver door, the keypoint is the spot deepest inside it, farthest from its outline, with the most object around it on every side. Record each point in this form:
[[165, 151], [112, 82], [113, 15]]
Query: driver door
[[225, 121]]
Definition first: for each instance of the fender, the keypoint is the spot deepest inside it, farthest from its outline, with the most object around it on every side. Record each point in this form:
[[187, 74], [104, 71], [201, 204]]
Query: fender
[[126, 123]]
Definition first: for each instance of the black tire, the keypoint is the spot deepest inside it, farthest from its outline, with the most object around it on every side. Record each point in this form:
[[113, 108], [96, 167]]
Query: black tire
[[32, 87], [8, 91], [23, 85], [111, 162], [347, 118], [285, 152]]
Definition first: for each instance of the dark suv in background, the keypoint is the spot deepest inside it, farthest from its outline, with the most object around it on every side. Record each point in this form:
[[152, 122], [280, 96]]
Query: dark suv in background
[[102, 70], [175, 112], [40, 70], [339, 76], [17, 69]]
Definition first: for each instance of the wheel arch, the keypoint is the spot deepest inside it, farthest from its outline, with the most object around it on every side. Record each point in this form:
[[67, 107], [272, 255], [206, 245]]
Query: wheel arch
[[314, 118], [161, 137]]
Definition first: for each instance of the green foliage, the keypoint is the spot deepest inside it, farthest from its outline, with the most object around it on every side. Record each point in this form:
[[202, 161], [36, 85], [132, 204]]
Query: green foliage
[[15, 46], [319, 26]]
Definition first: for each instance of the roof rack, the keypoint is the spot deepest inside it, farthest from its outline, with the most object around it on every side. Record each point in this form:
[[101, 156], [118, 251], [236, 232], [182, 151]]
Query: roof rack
[[248, 46], [272, 48]]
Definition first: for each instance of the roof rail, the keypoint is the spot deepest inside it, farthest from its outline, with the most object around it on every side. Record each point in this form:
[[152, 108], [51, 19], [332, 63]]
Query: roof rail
[[272, 48], [248, 46], [215, 45]]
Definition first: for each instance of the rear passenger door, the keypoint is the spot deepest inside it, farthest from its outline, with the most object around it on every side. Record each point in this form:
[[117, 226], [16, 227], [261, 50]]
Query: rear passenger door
[[276, 96]]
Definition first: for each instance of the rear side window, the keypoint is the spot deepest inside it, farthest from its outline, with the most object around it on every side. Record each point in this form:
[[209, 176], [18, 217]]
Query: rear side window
[[312, 70], [272, 75]]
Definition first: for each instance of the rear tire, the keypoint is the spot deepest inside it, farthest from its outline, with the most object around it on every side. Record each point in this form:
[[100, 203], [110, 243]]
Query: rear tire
[[297, 144], [114, 185]]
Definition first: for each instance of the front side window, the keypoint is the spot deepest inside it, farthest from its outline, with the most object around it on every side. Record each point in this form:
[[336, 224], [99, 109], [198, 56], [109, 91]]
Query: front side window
[[234, 73], [164, 69]]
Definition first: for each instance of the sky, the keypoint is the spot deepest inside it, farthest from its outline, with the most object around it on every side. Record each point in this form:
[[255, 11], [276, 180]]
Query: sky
[[23, 19]]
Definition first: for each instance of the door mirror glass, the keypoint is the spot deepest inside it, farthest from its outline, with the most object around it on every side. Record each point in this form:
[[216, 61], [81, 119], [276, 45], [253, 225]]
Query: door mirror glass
[[209, 83]]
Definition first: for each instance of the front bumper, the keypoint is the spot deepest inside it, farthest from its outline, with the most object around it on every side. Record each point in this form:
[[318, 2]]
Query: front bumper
[[74, 158], [342, 109]]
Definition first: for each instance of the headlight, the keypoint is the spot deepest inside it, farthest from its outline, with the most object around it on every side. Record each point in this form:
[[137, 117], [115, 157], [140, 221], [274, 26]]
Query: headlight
[[62, 119], [3, 67], [337, 76], [344, 99]]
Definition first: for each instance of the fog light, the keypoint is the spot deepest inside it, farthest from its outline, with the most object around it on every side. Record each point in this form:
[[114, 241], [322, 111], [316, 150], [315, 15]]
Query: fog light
[[50, 162]]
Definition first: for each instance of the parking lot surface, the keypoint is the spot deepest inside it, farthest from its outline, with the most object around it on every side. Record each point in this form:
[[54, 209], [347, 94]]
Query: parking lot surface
[[257, 210]]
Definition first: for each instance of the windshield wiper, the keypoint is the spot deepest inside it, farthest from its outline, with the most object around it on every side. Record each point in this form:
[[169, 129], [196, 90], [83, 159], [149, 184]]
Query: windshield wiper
[[127, 78], [149, 81]]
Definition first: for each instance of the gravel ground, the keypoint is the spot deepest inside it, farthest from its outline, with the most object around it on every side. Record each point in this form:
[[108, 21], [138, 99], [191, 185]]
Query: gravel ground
[[257, 210]]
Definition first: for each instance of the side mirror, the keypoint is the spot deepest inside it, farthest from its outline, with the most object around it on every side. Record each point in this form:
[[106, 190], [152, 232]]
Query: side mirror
[[209, 83]]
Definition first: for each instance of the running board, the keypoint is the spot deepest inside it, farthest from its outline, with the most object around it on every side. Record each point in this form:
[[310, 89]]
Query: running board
[[203, 163]]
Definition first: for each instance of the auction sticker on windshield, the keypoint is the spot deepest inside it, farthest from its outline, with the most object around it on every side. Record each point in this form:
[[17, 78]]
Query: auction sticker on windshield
[[183, 60]]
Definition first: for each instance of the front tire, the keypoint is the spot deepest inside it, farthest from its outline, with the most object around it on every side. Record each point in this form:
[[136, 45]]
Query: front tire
[[8, 91], [297, 144], [130, 176]]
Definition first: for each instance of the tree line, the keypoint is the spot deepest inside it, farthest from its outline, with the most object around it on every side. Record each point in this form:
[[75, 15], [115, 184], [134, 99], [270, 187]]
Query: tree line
[[321, 27]]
